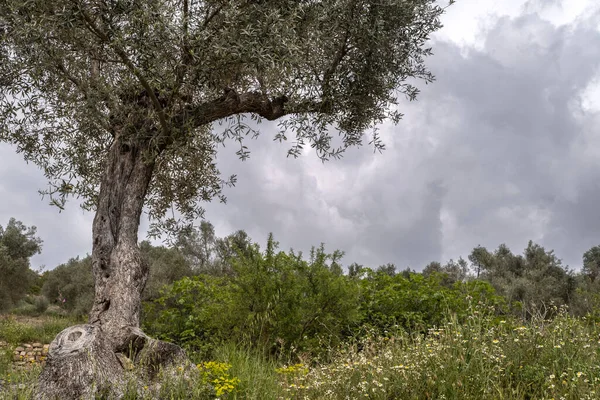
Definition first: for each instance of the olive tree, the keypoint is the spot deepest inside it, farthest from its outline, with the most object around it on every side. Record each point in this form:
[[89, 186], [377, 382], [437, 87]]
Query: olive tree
[[116, 101], [18, 244]]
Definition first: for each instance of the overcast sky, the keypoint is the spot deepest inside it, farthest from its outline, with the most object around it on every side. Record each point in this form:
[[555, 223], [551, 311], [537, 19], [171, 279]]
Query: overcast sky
[[503, 148]]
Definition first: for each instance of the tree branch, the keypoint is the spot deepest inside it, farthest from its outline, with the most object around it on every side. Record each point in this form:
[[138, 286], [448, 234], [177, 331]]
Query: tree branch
[[339, 56], [231, 103], [210, 16], [186, 57], [194, 116], [132, 68], [82, 88]]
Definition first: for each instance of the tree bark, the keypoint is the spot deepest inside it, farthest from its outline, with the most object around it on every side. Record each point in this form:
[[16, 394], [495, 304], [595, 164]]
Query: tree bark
[[89, 360]]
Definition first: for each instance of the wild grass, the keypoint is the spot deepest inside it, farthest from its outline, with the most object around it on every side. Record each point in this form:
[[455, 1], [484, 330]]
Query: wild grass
[[483, 358], [16, 330], [257, 374]]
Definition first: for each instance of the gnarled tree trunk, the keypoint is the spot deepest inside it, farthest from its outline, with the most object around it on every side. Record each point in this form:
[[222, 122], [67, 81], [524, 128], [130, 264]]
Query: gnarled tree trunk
[[91, 359]]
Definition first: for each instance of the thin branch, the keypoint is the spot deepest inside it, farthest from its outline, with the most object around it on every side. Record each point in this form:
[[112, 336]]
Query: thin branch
[[132, 68], [82, 88], [210, 16], [341, 53], [339, 56], [186, 57], [73, 79]]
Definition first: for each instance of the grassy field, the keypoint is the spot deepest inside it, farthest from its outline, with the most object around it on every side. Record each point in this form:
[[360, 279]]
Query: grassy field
[[484, 358]]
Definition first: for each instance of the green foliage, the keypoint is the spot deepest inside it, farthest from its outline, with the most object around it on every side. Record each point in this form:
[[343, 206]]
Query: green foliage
[[292, 302], [279, 302], [17, 244], [586, 300], [451, 272], [474, 357], [418, 302], [591, 263], [156, 75], [196, 312], [480, 358], [31, 305], [71, 286], [257, 373], [536, 279], [208, 254], [166, 265], [273, 300], [16, 331], [18, 384]]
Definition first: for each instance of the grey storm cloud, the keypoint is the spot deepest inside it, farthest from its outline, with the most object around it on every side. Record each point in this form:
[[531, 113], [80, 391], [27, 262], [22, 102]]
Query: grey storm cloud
[[500, 149], [490, 154], [65, 235]]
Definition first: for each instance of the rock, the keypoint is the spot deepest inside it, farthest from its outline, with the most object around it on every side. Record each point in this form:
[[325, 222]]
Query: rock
[[27, 346], [37, 345], [19, 349]]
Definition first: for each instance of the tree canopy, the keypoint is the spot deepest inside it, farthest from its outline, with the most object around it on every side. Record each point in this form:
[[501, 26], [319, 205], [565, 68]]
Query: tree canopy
[[76, 76], [116, 101]]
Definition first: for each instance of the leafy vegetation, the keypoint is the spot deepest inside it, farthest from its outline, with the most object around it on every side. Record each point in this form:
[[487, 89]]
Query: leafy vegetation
[[16, 330], [17, 244], [271, 324], [482, 357]]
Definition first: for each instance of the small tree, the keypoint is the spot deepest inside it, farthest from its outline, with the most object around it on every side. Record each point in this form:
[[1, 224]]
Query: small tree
[[198, 246], [591, 263], [17, 244], [71, 285], [115, 100], [481, 259]]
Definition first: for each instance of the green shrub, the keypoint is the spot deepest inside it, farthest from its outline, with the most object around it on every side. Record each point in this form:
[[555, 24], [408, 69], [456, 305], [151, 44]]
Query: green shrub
[[31, 306], [417, 303], [273, 301], [278, 302]]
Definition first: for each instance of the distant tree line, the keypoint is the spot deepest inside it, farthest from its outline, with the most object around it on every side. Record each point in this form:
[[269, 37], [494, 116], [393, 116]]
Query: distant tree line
[[205, 289]]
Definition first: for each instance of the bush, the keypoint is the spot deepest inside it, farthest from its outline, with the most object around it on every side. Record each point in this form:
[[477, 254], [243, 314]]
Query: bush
[[273, 301], [417, 303], [31, 306], [280, 303]]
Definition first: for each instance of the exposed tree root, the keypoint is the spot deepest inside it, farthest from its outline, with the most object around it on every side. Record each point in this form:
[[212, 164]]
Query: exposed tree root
[[84, 363]]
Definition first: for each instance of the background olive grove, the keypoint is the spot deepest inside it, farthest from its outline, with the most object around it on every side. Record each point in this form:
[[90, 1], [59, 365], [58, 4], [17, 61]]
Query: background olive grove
[[206, 290]]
